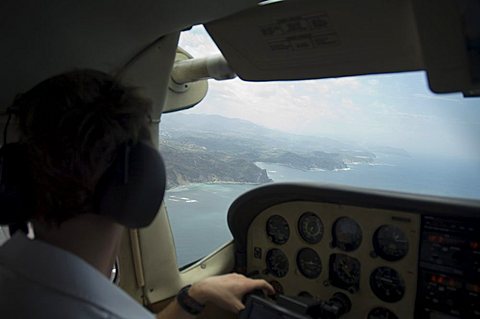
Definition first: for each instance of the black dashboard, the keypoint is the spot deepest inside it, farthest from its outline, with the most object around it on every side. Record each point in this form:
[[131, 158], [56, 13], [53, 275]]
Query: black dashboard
[[392, 255]]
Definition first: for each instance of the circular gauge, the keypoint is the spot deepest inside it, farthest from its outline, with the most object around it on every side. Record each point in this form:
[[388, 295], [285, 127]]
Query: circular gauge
[[381, 313], [309, 263], [310, 228], [387, 284], [347, 234], [344, 272], [390, 243], [277, 287], [278, 230], [277, 263]]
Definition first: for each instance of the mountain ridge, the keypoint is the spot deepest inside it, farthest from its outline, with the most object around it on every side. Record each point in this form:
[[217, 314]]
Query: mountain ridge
[[202, 148]]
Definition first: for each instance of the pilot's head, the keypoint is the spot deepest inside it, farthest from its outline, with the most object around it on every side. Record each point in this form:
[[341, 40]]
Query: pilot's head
[[71, 127]]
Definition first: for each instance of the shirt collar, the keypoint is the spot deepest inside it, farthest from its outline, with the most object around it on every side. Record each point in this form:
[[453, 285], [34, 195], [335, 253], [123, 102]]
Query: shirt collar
[[68, 274]]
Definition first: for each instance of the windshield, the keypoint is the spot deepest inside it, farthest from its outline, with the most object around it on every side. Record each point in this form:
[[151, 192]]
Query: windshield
[[384, 132]]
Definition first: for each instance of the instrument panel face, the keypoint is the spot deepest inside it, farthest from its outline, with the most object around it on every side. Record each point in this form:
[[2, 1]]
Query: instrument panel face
[[317, 249]]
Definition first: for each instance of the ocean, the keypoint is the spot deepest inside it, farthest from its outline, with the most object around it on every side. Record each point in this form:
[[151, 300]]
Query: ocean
[[198, 212]]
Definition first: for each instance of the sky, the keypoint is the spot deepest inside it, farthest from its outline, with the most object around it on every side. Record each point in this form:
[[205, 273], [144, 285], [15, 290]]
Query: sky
[[396, 110]]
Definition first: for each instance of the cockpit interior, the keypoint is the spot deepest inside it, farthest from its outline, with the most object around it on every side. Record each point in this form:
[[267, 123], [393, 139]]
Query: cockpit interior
[[329, 251]]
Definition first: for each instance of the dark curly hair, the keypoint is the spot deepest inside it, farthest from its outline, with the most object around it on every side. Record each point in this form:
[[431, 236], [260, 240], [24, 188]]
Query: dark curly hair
[[71, 126]]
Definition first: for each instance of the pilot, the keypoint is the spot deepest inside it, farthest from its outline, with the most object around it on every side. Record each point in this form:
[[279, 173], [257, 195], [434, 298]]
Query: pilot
[[74, 127]]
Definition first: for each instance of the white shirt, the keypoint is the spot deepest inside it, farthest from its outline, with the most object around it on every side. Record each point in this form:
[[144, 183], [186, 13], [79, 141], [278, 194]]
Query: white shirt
[[38, 280]]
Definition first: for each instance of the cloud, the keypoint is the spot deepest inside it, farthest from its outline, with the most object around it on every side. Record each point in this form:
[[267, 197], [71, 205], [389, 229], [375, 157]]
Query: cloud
[[198, 43], [435, 97], [393, 109], [293, 101]]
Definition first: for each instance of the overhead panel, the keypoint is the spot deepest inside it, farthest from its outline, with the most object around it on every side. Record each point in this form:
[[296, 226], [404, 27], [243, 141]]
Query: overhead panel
[[307, 39]]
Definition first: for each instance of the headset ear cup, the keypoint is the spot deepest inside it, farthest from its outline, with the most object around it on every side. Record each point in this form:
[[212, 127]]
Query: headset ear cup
[[132, 189], [16, 185]]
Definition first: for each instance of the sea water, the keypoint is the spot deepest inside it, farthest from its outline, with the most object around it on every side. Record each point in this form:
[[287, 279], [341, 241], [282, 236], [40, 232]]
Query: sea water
[[198, 217], [198, 212]]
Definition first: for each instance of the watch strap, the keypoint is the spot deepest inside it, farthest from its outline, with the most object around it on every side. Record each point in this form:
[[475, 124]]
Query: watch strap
[[187, 303]]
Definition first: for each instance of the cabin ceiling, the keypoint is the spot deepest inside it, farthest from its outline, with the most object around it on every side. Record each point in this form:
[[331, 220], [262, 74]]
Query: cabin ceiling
[[43, 38]]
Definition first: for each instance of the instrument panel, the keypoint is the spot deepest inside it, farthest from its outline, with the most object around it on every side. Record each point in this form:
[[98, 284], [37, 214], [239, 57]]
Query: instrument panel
[[368, 254], [392, 255]]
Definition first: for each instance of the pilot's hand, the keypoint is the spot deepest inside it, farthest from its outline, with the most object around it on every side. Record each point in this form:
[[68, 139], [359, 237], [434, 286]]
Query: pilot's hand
[[227, 291]]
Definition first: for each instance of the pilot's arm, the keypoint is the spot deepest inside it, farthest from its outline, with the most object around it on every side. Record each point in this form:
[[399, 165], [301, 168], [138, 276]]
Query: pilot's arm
[[224, 291]]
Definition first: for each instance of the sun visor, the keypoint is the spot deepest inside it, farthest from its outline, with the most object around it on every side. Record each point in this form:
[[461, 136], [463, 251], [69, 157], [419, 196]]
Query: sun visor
[[450, 38], [306, 39]]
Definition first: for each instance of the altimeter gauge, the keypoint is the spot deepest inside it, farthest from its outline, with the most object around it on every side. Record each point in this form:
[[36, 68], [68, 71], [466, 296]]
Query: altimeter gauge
[[309, 263]]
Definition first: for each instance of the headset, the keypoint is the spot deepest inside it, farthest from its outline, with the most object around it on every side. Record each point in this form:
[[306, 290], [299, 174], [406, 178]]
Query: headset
[[130, 191]]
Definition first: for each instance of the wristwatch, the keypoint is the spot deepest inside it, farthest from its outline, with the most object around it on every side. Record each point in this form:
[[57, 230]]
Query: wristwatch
[[187, 303]]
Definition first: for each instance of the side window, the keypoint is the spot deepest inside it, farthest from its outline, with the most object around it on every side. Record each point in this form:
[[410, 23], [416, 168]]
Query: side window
[[3, 235], [206, 171]]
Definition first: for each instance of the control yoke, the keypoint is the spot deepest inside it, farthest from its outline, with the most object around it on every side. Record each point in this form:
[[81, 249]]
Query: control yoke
[[257, 306]]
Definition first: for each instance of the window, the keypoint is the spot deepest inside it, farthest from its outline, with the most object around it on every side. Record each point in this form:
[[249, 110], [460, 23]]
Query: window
[[4, 235], [381, 131]]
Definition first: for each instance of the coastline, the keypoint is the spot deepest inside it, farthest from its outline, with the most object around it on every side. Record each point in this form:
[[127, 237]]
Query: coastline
[[192, 185]]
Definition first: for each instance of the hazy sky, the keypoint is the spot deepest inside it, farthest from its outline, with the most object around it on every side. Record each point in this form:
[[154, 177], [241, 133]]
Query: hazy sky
[[395, 109]]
